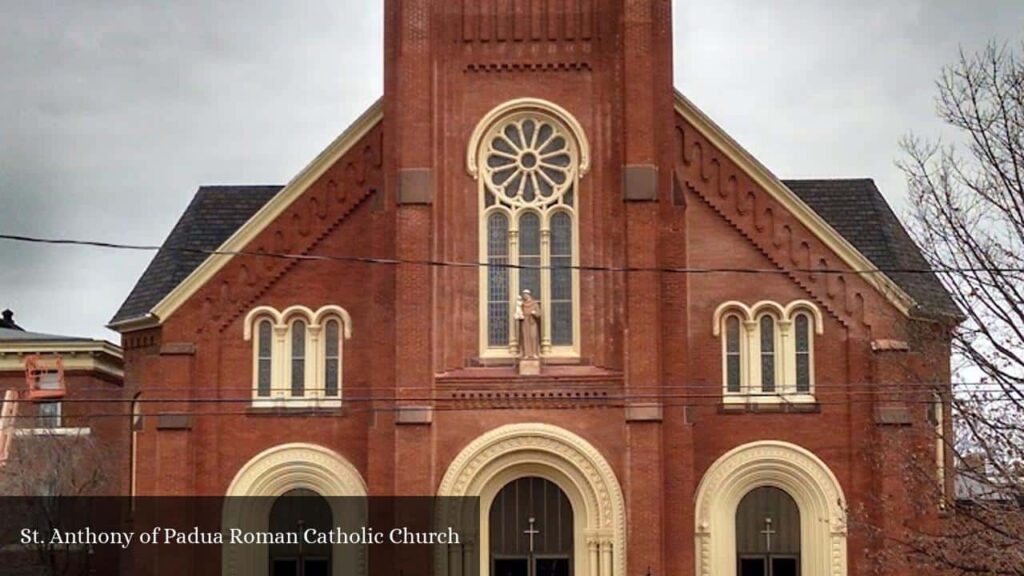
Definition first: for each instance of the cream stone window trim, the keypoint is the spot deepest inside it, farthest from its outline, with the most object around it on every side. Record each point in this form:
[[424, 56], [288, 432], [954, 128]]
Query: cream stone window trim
[[784, 347], [564, 197], [314, 372], [938, 410]]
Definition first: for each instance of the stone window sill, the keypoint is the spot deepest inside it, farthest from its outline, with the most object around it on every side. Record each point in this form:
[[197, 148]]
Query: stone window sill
[[769, 403]]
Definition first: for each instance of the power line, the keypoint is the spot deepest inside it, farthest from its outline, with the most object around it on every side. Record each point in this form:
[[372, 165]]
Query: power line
[[470, 264]]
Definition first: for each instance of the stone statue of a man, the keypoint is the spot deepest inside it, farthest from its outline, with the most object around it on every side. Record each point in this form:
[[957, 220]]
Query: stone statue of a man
[[528, 314]]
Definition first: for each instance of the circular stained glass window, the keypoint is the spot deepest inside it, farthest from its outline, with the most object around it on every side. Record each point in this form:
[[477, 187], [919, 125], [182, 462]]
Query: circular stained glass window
[[528, 161]]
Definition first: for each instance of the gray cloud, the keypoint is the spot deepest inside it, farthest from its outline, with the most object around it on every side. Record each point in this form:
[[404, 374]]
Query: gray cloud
[[112, 113]]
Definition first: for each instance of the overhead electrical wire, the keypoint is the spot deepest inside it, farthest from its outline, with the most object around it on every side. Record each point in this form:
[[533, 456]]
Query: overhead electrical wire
[[469, 264]]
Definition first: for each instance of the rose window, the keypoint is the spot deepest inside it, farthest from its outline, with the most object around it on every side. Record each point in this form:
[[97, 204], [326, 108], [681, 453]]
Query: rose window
[[528, 161]]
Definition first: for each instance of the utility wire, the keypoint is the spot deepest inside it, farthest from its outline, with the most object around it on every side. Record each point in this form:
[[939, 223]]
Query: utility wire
[[469, 264]]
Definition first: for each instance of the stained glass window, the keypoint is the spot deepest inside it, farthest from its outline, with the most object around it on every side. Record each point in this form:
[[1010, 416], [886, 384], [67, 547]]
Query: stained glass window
[[802, 326], [332, 358], [732, 353], [528, 166], [298, 358], [767, 354], [263, 361], [561, 280], [497, 280]]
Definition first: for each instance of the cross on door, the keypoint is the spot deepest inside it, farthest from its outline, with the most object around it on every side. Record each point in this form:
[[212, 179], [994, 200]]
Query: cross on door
[[767, 532], [532, 531]]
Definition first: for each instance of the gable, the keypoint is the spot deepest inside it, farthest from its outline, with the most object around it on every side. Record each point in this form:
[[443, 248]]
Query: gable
[[180, 270], [751, 197]]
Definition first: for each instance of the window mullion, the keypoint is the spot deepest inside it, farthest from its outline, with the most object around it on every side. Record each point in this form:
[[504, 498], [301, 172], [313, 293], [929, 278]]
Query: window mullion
[[545, 287], [513, 284], [751, 369], [280, 362], [785, 359], [314, 362]]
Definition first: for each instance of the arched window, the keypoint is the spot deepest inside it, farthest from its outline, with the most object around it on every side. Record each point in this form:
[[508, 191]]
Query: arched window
[[264, 357], [298, 358], [768, 350], [802, 343], [332, 358], [733, 383], [768, 363], [528, 162], [297, 355]]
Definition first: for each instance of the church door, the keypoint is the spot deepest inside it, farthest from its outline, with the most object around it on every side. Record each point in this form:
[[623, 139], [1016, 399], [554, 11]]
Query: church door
[[768, 534], [531, 530], [297, 511]]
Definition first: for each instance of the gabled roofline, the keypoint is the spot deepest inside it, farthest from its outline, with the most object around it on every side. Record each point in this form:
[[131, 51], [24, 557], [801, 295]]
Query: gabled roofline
[[259, 221], [797, 207]]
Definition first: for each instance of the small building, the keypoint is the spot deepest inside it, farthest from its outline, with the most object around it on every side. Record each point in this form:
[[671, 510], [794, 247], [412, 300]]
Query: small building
[[84, 418]]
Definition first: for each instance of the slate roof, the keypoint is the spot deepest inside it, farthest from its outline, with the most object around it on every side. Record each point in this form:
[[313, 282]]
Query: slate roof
[[19, 335], [212, 217], [858, 211], [854, 208]]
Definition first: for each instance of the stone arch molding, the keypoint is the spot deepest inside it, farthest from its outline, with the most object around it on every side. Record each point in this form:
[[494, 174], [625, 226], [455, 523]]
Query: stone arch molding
[[276, 471], [788, 467], [576, 466]]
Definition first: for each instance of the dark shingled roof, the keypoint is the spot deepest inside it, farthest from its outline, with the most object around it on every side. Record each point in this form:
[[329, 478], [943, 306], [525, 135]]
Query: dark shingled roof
[[854, 208], [859, 212], [214, 215]]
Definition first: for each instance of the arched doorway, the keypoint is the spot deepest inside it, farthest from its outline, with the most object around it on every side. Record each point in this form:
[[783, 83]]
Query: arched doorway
[[507, 454], [768, 534], [531, 529], [294, 512], [294, 469], [796, 471]]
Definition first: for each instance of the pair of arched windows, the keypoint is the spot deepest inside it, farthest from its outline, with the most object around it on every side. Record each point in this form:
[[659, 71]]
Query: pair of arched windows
[[297, 354], [768, 349], [529, 156]]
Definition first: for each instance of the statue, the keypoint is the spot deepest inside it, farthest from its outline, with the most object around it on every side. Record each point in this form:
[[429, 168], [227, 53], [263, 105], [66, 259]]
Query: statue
[[528, 318]]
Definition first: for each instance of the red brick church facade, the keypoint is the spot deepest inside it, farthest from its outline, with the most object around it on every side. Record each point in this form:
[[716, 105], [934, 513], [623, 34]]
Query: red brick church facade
[[549, 136]]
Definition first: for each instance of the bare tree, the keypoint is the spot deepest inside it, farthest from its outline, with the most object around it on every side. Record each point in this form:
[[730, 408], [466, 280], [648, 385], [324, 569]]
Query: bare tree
[[968, 199], [49, 483]]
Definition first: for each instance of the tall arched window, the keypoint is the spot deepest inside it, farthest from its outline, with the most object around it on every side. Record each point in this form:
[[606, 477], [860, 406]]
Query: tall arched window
[[768, 363], [298, 373], [529, 160], [733, 364], [264, 357], [332, 358], [802, 343]]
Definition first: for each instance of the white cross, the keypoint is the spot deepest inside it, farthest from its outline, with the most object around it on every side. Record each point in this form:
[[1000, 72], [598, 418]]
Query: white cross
[[532, 531], [768, 533]]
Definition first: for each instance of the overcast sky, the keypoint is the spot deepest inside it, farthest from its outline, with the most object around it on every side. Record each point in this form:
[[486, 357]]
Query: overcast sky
[[112, 113]]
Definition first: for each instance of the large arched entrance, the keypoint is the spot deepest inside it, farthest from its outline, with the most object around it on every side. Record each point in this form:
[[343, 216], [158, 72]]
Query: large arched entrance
[[553, 463], [254, 501], [729, 526]]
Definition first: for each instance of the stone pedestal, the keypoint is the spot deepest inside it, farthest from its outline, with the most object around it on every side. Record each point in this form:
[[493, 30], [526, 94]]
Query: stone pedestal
[[529, 367]]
